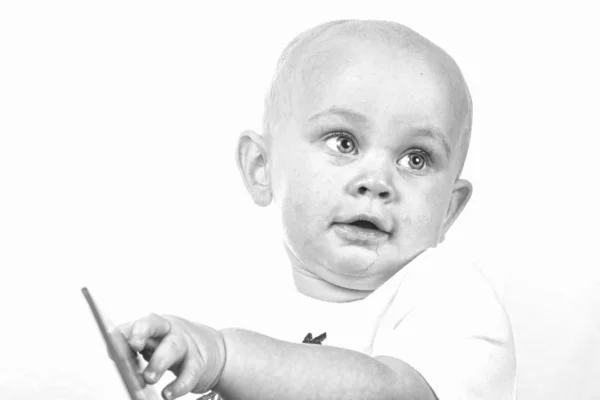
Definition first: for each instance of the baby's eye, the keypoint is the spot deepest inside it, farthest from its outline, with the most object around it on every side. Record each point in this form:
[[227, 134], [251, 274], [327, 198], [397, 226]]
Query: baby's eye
[[415, 160], [341, 143]]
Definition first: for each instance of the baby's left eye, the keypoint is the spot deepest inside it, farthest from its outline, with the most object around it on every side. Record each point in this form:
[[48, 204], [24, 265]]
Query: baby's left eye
[[416, 160]]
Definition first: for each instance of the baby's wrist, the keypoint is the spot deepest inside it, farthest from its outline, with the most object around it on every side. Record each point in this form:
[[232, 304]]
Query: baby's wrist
[[223, 343], [213, 342], [222, 358]]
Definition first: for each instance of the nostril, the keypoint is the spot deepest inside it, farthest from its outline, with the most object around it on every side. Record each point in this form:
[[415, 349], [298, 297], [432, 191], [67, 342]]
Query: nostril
[[384, 195], [362, 190]]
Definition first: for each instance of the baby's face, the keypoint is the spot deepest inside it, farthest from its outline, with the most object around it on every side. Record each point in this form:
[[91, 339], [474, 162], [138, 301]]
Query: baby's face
[[364, 171]]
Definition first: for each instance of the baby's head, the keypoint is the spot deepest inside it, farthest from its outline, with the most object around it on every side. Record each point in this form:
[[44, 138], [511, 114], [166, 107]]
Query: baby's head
[[366, 130]]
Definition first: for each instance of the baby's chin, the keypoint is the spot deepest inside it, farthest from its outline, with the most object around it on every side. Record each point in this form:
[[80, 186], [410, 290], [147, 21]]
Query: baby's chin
[[358, 268]]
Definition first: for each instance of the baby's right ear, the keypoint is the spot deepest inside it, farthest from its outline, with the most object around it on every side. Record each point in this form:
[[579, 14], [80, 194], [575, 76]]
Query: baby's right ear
[[251, 157]]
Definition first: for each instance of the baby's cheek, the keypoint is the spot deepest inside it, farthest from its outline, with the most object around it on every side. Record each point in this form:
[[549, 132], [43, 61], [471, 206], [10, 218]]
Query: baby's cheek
[[425, 214], [312, 183], [304, 207], [419, 230]]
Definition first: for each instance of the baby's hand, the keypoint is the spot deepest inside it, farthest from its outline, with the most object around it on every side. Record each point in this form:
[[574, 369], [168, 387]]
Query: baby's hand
[[194, 353]]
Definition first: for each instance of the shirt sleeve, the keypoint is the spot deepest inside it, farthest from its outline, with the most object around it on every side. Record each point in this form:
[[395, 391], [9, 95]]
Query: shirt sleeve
[[455, 333]]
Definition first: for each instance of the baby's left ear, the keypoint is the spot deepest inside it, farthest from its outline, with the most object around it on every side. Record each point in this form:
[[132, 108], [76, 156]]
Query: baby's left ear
[[461, 193]]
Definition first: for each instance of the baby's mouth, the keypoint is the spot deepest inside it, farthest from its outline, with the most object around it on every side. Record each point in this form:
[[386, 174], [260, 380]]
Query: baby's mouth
[[360, 231], [365, 225]]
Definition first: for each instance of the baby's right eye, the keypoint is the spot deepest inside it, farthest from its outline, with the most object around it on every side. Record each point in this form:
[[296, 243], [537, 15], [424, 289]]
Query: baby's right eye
[[341, 143]]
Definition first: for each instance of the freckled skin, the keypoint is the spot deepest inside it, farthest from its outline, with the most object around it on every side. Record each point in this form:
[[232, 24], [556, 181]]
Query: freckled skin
[[397, 89]]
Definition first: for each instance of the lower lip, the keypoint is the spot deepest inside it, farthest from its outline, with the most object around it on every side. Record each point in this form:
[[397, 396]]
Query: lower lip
[[355, 234]]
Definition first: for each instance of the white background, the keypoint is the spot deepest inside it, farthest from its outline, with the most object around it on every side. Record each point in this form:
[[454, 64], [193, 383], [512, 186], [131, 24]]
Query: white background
[[118, 123]]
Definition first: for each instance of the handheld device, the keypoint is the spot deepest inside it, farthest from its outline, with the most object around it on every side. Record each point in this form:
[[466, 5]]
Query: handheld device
[[122, 355]]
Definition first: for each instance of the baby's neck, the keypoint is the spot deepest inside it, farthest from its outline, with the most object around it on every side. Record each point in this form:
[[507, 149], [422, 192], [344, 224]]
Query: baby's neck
[[316, 288]]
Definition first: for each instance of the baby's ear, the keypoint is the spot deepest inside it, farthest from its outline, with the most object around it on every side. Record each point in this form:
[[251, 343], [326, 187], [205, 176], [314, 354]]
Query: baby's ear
[[251, 157], [461, 193]]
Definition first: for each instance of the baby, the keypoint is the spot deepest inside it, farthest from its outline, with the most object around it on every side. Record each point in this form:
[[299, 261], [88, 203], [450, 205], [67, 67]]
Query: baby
[[366, 131]]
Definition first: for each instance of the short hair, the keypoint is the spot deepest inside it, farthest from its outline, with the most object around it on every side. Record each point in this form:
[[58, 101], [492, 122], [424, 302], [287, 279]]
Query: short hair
[[278, 99]]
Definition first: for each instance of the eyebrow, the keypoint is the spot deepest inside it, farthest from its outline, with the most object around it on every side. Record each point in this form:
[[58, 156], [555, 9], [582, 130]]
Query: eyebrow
[[435, 134], [340, 111]]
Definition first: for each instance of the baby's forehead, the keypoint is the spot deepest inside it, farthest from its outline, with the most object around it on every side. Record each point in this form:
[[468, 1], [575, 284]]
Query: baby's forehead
[[358, 74]]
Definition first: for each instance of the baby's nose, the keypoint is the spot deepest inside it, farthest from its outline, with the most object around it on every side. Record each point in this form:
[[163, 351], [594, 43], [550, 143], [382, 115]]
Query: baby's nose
[[374, 187]]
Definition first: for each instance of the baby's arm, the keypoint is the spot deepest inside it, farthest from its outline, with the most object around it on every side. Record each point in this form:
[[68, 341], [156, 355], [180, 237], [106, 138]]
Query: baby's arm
[[240, 364], [260, 367]]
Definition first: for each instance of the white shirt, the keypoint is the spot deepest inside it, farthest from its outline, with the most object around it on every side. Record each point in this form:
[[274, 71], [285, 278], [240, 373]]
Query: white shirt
[[438, 314]]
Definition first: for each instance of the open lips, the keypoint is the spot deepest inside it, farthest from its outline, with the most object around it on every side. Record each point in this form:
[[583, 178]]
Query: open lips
[[367, 222]]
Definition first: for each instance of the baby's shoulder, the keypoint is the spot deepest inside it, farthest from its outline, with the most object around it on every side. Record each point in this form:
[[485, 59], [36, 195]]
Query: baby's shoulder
[[446, 281], [445, 270]]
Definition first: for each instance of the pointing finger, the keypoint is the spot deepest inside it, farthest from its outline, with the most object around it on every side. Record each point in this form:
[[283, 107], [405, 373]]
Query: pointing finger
[[125, 328], [151, 326]]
